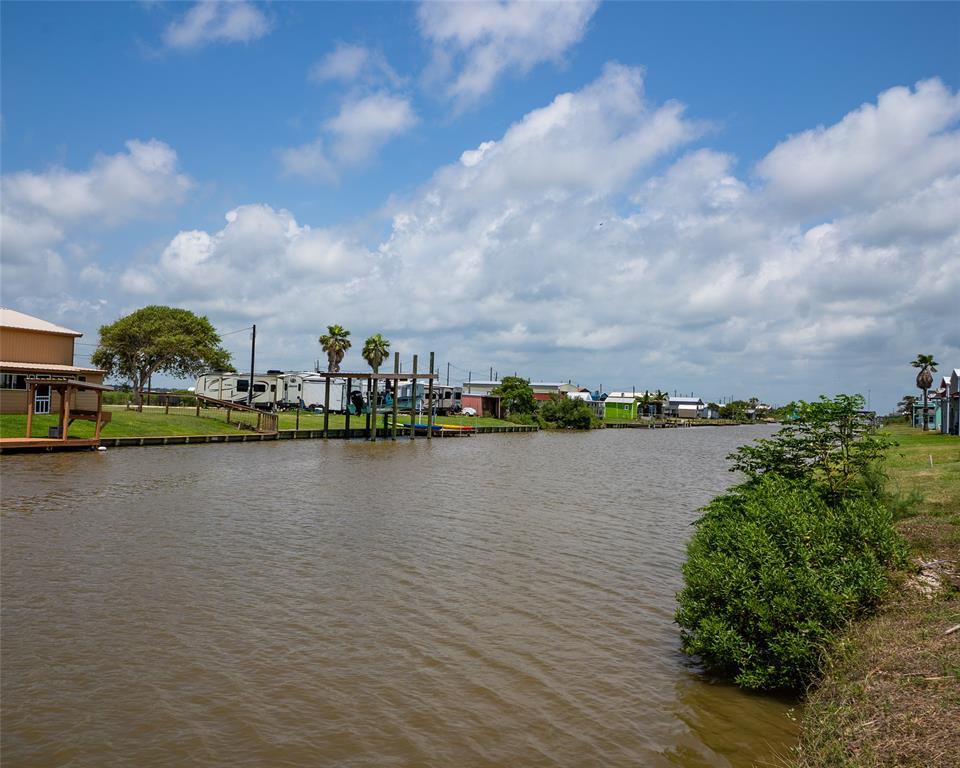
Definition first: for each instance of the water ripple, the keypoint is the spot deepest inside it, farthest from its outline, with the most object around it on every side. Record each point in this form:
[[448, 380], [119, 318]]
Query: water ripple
[[485, 602]]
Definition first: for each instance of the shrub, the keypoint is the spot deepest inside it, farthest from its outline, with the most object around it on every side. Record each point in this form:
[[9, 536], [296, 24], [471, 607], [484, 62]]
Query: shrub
[[773, 571], [562, 411]]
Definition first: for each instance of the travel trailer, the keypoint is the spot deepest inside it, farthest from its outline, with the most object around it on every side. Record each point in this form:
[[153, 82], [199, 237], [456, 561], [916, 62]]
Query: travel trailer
[[234, 388], [446, 400], [308, 390]]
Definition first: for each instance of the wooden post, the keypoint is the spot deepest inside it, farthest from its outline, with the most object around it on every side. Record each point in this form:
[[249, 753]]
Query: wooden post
[[99, 413], [198, 407], [31, 401], [228, 414], [413, 400], [396, 392], [65, 406], [372, 416], [326, 406], [430, 401], [347, 409], [166, 405]]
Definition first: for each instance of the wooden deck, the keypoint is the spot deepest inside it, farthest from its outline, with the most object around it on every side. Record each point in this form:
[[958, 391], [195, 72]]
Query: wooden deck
[[10, 444]]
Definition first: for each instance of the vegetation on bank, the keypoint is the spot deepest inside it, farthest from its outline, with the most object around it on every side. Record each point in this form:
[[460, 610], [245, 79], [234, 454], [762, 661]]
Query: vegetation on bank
[[780, 564], [890, 694], [153, 421]]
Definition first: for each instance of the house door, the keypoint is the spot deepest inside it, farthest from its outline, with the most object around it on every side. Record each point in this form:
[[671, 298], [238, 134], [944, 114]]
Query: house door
[[41, 400]]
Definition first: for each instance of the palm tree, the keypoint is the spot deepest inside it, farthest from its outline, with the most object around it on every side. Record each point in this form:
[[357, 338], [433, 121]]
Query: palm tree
[[928, 367], [375, 350], [335, 342]]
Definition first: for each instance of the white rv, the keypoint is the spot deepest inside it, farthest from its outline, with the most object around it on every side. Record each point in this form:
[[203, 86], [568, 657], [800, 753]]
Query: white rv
[[446, 400], [308, 390], [235, 387]]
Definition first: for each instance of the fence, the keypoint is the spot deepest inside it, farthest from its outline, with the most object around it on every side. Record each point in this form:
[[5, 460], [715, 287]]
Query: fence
[[178, 404]]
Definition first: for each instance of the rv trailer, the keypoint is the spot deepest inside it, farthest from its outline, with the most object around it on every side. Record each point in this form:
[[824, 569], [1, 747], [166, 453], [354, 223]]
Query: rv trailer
[[234, 388], [308, 390], [446, 400]]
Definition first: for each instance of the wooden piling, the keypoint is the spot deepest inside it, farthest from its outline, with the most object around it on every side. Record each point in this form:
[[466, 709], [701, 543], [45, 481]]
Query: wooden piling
[[413, 400], [326, 406], [349, 402], [430, 401], [372, 416], [396, 389]]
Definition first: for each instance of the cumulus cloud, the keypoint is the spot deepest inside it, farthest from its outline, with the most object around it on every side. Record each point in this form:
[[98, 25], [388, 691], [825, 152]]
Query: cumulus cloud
[[876, 153], [594, 239], [475, 43], [361, 128], [212, 21], [40, 210]]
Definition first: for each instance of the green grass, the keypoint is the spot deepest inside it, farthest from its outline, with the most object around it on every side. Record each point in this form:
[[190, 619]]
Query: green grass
[[123, 424], [153, 421], [928, 463], [891, 696]]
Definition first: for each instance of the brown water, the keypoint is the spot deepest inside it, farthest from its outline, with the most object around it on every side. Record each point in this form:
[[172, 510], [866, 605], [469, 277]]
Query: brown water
[[493, 601]]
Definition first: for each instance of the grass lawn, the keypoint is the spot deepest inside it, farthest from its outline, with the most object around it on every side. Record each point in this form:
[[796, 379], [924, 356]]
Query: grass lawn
[[153, 421], [124, 424], [891, 695]]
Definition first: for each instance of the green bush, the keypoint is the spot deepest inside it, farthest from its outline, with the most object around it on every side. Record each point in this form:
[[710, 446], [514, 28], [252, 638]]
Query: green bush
[[773, 571], [566, 413]]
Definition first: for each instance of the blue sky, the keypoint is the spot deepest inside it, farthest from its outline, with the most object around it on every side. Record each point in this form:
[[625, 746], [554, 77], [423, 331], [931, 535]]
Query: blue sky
[[720, 198]]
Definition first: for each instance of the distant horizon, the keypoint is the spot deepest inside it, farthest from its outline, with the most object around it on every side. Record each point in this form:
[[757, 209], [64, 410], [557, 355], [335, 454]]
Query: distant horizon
[[747, 199]]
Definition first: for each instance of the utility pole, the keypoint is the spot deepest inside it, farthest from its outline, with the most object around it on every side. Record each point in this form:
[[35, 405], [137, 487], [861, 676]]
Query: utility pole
[[491, 373], [253, 355], [448, 374]]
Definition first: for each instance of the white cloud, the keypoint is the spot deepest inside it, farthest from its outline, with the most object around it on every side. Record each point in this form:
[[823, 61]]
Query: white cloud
[[591, 240], [215, 22], [308, 160], [40, 210], [116, 187], [874, 154], [485, 39], [366, 124], [355, 135], [352, 64]]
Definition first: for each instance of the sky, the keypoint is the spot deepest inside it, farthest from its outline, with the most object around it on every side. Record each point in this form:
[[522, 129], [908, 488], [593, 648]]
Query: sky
[[725, 199]]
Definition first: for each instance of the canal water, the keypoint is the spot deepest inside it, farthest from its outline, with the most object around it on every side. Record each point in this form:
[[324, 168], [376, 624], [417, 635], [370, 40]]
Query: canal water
[[493, 601]]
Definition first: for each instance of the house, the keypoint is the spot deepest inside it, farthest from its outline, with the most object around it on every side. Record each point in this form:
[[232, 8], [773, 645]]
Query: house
[[31, 348], [685, 407], [37, 376], [644, 404], [948, 395], [620, 406], [932, 415]]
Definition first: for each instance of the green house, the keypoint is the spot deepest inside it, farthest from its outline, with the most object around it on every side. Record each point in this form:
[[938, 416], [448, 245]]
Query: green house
[[620, 408]]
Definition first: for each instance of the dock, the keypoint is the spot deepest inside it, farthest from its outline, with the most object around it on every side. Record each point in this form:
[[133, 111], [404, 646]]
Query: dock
[[47, 444]]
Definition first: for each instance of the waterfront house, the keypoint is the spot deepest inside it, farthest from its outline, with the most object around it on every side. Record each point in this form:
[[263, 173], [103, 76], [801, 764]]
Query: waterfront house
[[31, 348], [620, 406], [685, 407]]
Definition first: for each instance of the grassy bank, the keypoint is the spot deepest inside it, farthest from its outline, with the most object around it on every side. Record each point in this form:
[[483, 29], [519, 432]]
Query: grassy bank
[[153, 421], [891, 695], [123, 424]]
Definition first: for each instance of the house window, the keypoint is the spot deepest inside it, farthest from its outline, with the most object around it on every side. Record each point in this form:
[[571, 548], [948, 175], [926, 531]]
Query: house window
[[12, 381]]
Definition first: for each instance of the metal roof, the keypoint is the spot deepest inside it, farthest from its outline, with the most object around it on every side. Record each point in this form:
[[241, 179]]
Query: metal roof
[[10, 318], [46, 368]]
